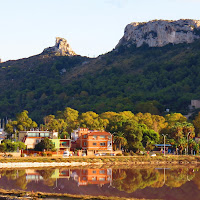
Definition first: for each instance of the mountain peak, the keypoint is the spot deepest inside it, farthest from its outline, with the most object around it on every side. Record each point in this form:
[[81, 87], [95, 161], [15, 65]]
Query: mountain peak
[[61, 47], [158, 33]]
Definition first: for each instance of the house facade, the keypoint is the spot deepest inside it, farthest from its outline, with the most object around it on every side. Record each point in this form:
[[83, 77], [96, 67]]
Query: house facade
[[2, 135], [92, 140], [62, 144], [31, 138]]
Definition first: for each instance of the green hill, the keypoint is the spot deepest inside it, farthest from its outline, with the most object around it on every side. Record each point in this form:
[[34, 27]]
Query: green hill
[[128, 78]]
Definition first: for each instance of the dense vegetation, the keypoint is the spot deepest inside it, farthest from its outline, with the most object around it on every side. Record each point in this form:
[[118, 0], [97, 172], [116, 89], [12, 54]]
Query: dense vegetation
[[133, 132], [128, 78]]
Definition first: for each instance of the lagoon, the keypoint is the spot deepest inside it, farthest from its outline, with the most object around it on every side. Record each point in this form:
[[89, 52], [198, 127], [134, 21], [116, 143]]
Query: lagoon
[[174, 183]]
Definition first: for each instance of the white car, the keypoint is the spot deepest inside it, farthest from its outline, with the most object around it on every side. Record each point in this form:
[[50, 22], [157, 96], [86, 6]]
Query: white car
[[153, 154], [66, 154]]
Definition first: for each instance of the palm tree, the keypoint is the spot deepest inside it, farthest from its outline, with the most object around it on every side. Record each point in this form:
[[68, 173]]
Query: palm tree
[[119, 140]]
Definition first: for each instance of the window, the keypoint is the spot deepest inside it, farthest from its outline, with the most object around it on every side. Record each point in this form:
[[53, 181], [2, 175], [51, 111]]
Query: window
[[94, 178], [33, 134], [94, 137], [46, 134], [102, 172], [102, 179], [94, 144], [102, 144], [85, 136], [85, 143], [102, 136], [41, 134], [94, 171], [37, 141]]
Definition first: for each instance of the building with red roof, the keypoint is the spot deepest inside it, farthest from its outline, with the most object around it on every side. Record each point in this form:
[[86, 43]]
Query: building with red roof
[[92, 140]]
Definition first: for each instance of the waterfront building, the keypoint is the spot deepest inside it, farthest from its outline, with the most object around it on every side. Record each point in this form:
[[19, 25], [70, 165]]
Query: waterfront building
[[92, 141]]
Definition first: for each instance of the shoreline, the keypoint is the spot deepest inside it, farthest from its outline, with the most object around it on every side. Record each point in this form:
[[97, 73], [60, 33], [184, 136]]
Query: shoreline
[[20, 194], [38, 162]]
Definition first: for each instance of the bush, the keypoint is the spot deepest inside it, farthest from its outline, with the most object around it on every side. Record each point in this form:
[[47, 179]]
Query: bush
[[44, 154], [126, 154], [49, 154], [10, 155], [118, 154]]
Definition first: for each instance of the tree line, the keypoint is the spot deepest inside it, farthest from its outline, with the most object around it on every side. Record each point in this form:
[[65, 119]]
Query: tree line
[[132, 132]]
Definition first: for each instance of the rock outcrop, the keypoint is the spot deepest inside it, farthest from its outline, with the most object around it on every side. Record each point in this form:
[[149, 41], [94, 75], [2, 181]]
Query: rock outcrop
[[158, 33], [61, 47]]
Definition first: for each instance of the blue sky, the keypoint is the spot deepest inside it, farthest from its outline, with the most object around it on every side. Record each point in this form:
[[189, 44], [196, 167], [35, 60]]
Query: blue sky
[[92, 27]]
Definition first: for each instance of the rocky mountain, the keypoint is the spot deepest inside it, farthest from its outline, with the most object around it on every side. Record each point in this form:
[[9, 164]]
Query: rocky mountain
[[61, 47], [158, 33], [136, 75]]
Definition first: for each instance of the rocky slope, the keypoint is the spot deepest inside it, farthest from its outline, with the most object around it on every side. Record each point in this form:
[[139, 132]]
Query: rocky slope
[[61, 47], [158, 33], [128, 78]]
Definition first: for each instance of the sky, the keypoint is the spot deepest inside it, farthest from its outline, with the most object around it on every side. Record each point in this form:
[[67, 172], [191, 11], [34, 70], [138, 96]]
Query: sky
[[92, 27]]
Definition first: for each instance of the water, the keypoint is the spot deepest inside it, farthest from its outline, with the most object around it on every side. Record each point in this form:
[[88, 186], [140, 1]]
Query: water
[[161, 183]]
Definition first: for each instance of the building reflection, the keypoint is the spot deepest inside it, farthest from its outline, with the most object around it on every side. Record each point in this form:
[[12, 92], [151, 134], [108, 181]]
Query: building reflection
[[33, 175], [81, 176], [92, 176]]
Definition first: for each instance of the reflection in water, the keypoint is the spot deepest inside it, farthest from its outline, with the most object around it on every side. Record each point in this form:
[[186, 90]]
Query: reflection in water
[[92, 176], [151, 182]]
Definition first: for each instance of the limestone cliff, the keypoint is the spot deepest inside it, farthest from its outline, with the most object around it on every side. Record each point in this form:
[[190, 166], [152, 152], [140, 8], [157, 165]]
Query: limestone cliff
[[158, 33], [61, 47]]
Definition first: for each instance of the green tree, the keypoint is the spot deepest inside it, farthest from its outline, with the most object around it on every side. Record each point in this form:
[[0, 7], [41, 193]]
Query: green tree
[[196, 123], [92, 121], [2, 148], [22, 122], [134, 135], [71, 118], [10, 146], [150, 137], [46, 144], [119, 140]]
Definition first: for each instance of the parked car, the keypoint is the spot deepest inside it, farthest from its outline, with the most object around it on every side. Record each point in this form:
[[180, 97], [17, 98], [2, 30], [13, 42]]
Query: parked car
[[66, 154], [83, 154], [112, 154], [153, 154], [97, 154]]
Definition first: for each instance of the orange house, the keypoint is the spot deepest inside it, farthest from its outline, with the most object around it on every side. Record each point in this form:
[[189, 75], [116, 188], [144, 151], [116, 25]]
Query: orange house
[[92, 140]]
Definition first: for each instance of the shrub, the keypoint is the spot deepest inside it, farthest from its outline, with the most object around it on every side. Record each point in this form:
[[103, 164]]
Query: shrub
[[49, 154], [126, 154], [44, 154], [10, 155], [118, 154]]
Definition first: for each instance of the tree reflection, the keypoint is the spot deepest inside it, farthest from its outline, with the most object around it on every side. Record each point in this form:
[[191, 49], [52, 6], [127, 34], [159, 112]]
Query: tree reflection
[[18, 175], [178, 177], [133, 179], [47, 174], [129, 180]]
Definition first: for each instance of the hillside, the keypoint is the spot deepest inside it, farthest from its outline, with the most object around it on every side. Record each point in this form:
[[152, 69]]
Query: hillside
[[147, 79]]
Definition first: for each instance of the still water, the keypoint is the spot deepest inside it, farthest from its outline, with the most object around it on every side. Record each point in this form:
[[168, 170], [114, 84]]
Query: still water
[[161, 183]]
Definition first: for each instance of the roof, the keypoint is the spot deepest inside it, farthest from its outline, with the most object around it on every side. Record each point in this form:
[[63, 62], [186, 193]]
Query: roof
[[99, 133], [162, 145]]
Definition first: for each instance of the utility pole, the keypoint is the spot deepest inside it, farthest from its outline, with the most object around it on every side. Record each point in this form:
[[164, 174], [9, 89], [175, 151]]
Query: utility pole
[[164, 142], [187, 141]]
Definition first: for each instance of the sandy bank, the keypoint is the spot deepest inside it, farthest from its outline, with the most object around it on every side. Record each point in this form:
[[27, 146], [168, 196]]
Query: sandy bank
[[43, 164]]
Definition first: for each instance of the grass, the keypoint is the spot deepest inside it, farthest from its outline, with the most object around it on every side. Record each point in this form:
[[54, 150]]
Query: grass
[[107, 159]]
